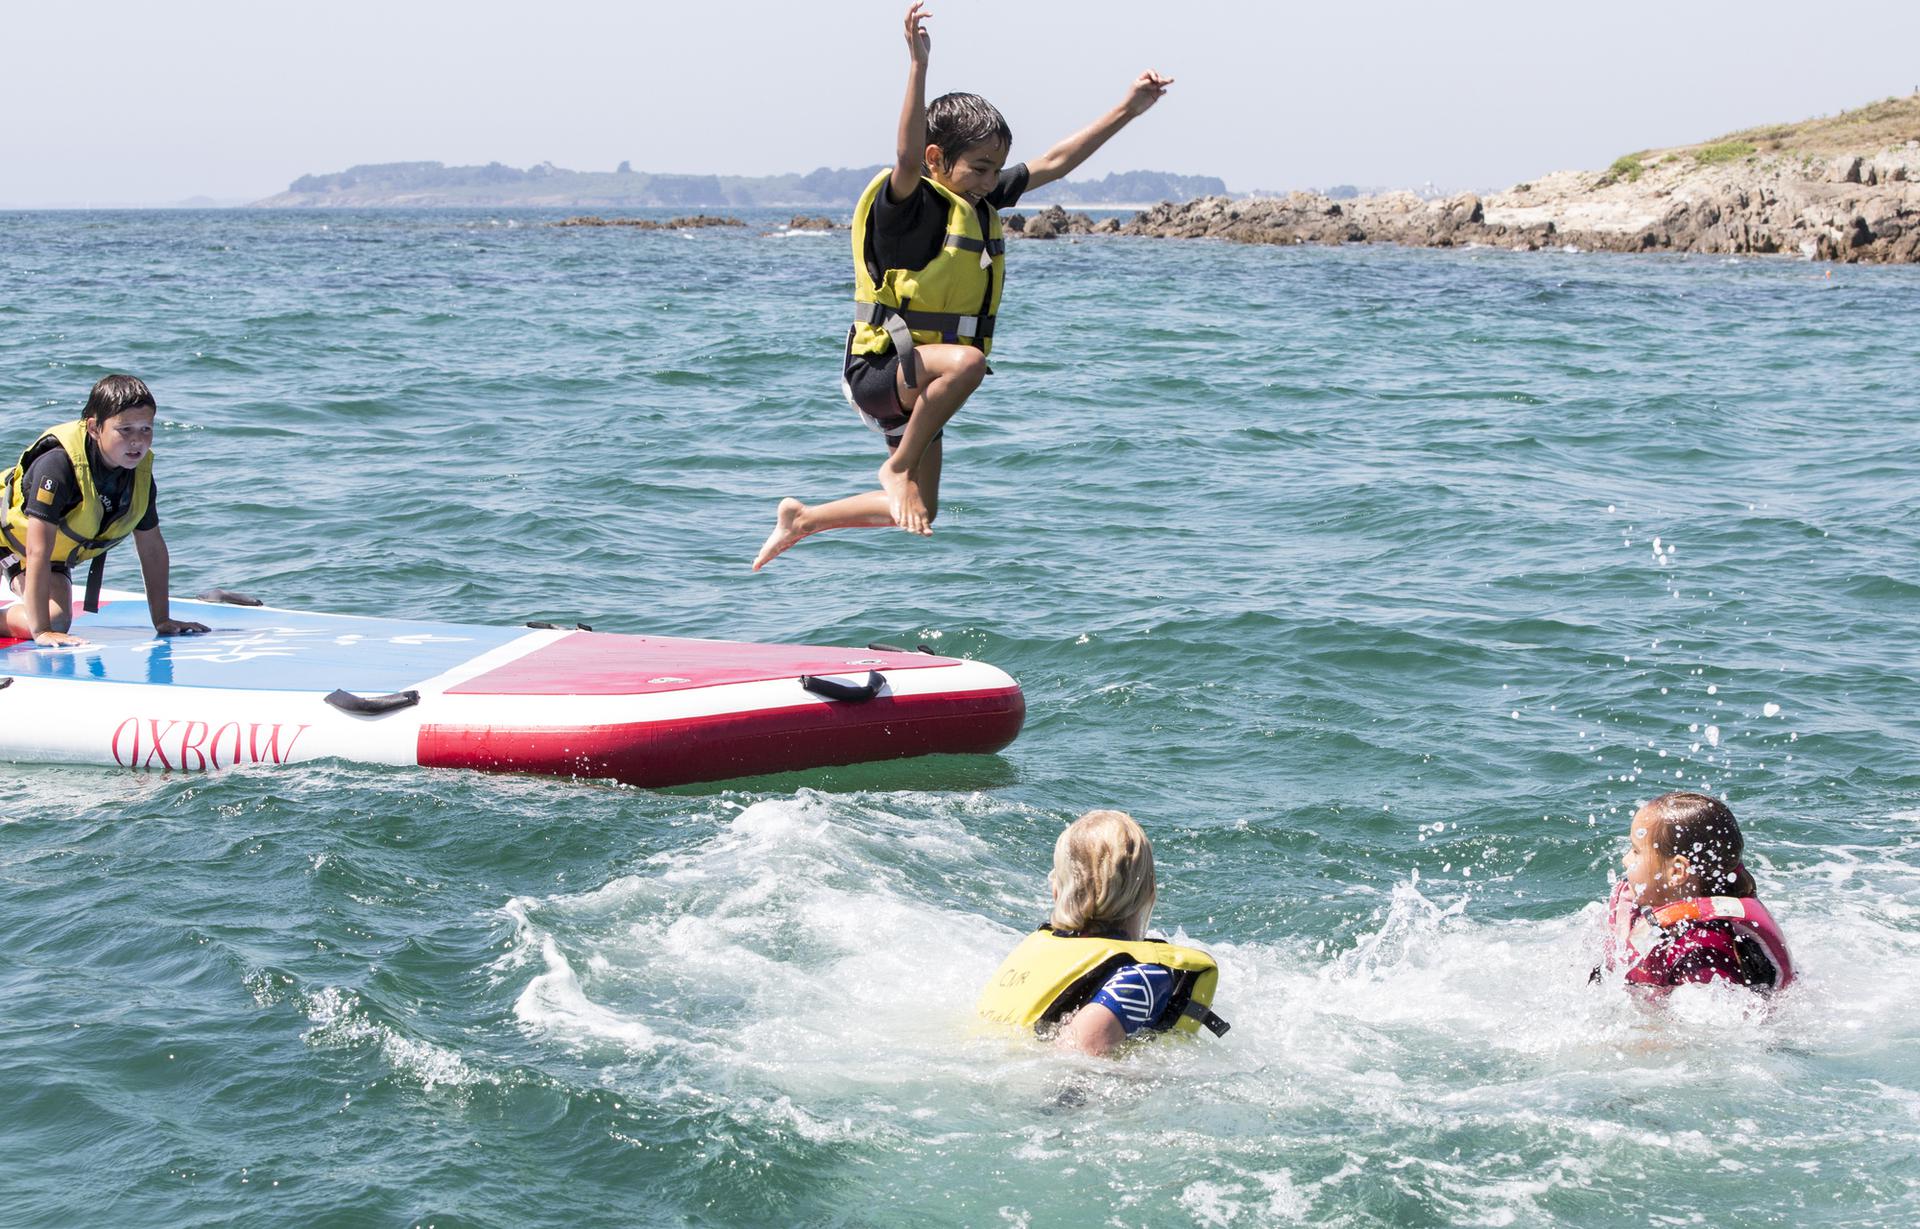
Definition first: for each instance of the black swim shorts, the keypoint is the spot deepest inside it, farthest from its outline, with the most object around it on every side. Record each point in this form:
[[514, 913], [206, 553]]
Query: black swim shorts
[[869, 381]]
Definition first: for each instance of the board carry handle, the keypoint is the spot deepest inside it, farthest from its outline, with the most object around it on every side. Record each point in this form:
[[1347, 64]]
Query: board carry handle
[[852, 693], [229, 597], [541, 625], [373, 706]]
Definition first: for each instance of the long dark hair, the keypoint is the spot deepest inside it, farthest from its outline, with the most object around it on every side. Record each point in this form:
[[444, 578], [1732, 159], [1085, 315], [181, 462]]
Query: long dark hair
[[1701, 829]]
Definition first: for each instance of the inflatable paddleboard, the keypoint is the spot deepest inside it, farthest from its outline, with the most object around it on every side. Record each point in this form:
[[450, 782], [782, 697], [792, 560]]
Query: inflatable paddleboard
[[269, 686]]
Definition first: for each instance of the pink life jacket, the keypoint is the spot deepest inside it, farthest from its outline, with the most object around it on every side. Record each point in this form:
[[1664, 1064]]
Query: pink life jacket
[[1643, 940]]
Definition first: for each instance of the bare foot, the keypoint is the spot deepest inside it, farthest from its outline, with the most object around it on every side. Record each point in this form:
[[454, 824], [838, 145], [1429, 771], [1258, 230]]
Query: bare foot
[[904, 501], [786, 531]]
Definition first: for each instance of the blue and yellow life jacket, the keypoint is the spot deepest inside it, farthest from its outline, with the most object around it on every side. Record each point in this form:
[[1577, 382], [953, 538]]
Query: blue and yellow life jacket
[[1050, 976]]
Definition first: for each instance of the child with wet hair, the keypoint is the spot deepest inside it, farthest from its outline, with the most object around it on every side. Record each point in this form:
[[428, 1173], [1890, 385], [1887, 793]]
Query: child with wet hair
[[1091, 975], [80, 489], [1687, 911]]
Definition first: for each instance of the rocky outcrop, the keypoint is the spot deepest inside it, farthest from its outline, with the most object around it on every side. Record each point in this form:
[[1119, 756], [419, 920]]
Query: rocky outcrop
[[1053, 221], [1848, 206], [698, 221], [812, 223]]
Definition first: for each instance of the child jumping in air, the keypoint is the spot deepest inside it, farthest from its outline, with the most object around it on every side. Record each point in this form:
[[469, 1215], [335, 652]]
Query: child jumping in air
[[79, 490], [928, 260]]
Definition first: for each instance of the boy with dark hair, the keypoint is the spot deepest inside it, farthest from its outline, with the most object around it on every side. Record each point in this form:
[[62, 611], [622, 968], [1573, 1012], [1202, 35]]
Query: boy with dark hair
[[78, 491], [928, 260]]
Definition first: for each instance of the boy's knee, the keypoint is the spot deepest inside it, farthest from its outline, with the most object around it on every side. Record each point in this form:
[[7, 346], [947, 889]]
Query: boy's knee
[[972, 366]]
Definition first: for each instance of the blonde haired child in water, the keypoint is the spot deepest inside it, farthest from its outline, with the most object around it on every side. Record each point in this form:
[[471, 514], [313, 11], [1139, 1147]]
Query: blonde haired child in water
[[1687, 912], [1091, 972]]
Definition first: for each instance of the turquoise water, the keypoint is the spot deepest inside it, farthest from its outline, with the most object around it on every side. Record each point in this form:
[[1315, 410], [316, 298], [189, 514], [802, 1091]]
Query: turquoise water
[[1338, 568]]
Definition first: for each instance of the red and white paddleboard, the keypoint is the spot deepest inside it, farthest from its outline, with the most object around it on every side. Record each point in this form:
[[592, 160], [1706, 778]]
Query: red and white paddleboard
[[271, 686]]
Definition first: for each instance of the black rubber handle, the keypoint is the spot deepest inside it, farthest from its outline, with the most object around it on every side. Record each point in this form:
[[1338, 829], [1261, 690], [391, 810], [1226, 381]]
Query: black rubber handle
[[544, 626], [852, 693], [227, 597], [373, 706]]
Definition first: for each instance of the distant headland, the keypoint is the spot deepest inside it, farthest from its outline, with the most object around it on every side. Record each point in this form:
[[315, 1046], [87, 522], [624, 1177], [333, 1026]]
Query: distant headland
[[431, 184], [1845, 187]]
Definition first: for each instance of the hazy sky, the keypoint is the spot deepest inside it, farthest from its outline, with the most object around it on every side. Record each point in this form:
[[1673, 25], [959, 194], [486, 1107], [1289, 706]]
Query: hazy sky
[[109, 102]]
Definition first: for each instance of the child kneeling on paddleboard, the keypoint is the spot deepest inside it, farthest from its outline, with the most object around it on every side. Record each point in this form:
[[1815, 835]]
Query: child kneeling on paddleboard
[[1687, 911], [928, 262], [79, 490], [1090, 976]]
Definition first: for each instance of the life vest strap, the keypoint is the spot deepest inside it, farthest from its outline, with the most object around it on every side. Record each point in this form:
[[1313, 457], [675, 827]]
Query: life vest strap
[[14, 544], [1204, 1014], [967, 243], [96, 575], [950, 325]]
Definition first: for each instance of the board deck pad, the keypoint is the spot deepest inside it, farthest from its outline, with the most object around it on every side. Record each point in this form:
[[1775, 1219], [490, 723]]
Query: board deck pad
[[599, 664], [256, 648]]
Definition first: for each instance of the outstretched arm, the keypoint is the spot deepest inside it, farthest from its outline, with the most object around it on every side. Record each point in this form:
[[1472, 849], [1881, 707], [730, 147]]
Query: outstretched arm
[[1070, 153], [911, 154], [154, 566]]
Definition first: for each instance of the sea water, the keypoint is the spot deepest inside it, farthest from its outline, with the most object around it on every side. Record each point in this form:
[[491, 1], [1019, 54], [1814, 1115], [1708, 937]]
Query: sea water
[[1378, 584]]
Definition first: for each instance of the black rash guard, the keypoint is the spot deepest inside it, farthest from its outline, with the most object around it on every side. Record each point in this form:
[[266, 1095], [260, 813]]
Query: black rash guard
[[909, 234]]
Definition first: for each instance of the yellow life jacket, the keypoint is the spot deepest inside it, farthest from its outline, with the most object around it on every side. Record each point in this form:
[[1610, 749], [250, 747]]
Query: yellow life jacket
[[954, 299], [80, 534], [1050, 975]]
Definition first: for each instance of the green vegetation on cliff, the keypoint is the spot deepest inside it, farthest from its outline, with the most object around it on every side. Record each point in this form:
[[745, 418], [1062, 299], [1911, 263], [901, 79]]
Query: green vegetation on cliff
[[1722, 151], [1891, 121]]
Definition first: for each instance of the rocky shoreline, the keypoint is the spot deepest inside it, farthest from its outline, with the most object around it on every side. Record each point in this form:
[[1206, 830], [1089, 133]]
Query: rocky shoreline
[[1822, 213], [1826, 190]]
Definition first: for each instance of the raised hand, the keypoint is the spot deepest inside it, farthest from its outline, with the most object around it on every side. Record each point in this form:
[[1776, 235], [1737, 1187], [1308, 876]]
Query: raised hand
[[1146, 90], [919, 43]]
